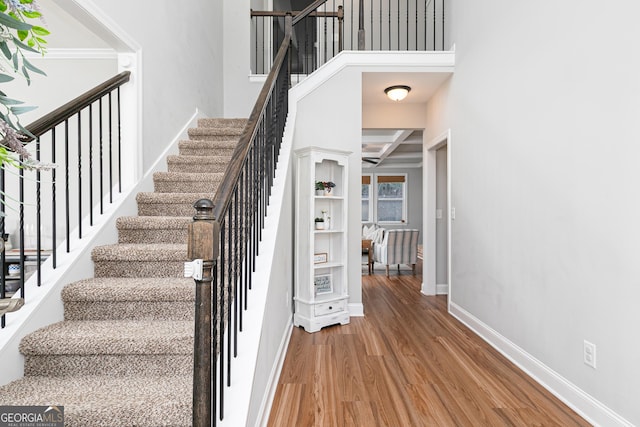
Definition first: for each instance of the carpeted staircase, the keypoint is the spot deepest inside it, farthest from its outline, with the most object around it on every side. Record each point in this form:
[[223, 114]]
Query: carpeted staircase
[[123, 356]]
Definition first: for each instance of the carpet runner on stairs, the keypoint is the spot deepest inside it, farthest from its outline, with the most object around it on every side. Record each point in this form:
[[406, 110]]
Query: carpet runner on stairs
[[123, 356]]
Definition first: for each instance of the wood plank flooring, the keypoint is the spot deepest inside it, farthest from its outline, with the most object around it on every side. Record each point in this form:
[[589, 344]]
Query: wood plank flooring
[[406, 363]]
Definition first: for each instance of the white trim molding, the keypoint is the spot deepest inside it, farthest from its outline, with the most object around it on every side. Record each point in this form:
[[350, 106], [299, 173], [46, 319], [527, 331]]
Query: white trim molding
[[88, 54], [356, 309], [594, 411]]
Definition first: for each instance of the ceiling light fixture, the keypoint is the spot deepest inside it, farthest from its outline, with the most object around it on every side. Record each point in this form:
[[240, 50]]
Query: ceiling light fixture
[[397, 92]]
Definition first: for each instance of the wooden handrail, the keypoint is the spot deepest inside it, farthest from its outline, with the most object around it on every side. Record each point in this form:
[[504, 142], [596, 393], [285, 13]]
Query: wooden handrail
[[225, 189], [280, 14], [307, 10], [72, 107]]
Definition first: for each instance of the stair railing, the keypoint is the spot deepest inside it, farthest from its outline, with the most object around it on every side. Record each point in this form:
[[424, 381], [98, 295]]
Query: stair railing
[[235, 220], [43, 207], [375, 25]]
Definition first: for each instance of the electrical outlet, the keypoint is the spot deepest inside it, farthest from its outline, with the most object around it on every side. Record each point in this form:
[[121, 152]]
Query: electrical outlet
[[590, 354]]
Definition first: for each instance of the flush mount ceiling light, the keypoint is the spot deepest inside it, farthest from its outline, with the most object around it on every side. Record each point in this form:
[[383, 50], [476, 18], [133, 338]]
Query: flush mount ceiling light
[[397, 93]]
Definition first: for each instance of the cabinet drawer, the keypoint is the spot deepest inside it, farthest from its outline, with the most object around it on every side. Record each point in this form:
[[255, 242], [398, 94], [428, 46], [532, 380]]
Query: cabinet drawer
[[329, 307]]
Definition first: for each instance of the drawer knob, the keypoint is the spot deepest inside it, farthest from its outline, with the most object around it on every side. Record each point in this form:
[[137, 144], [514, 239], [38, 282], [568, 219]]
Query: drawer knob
[[330, 308]]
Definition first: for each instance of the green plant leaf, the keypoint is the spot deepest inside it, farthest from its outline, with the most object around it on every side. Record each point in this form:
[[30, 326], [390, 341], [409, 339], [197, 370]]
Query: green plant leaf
[[32, 67], [21, 110], [21, 45], [5, 49], [13, 23], [40, 31], [3, 6], [41, 40], [15, 61], [5, 78], [31, 14], [26, 75], [8, 101], [22, 34]]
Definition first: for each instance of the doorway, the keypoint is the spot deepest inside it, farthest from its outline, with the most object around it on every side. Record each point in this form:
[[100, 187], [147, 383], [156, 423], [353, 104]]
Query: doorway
[[437, 215]]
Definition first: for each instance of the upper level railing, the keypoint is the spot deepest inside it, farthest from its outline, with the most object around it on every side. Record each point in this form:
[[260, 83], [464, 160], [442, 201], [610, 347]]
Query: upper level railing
[[42, 209], [226, 232], [401, 25]]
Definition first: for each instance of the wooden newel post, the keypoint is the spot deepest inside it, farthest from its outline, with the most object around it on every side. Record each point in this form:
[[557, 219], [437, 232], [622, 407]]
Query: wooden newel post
[[203, 244]]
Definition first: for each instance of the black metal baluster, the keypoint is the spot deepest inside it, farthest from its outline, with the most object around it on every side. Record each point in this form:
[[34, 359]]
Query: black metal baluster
[[101, 130], [214, 342], [38, 218], [79, 176], [110, 151], [220, 338], [434, 24], [119, 143], [398, 15], [442, 12], [54, 234], [21, 231], [389, 23], [91, 164], [417, 47], [66, 181], [230, 295], [3, 260]]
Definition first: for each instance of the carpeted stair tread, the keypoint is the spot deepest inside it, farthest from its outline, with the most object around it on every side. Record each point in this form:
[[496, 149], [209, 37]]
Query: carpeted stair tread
[[141, 337], [207, 148], [152, 222], [127, 289], [137, 298], [169, 204], [214, 133], [101, 401], [181, 182], [217, 122], [123, 356], [152, 229], [198, 163], [140, 252]]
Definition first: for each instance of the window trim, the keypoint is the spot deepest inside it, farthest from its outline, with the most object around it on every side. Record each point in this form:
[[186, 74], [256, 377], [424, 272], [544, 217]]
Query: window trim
[[370, 199], [405, 181]]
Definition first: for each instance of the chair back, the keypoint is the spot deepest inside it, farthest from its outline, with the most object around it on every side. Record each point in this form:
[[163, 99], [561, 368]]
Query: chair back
[[402, 246]]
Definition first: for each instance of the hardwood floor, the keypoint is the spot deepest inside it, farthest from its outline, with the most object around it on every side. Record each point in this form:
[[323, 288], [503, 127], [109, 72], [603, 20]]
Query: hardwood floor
[[406, 363]]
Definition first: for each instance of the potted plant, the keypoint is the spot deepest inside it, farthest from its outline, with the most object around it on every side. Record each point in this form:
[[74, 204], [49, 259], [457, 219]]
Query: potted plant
[[323, 188], [319, 223]]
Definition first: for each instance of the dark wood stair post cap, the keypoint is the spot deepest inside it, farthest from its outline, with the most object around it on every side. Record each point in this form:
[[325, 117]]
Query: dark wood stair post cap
[[204, 210]]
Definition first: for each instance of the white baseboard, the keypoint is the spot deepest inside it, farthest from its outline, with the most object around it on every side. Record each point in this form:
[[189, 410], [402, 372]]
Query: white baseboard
[[588, 407], [267, 401], [442, 289], [356, 310]]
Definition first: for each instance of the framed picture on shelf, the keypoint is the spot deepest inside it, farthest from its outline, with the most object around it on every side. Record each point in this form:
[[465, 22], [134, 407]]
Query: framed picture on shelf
[[322, 284], [320, 258]]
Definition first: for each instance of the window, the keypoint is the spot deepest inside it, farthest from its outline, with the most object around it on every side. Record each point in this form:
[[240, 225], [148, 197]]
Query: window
[[391, 206], [367, 214]]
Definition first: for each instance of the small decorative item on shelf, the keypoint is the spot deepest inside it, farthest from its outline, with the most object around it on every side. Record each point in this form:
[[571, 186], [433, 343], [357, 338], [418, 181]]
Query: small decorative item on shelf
[[319, 223], [14, 269], [323, 188], [327, 220]]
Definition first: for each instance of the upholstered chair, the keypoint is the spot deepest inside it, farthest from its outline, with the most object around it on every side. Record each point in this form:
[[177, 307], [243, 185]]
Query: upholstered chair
[[397, 247]]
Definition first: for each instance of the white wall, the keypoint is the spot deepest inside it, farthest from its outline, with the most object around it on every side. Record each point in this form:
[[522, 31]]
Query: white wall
[[239, 92], [341, 96], [181, 67], [543, 112]]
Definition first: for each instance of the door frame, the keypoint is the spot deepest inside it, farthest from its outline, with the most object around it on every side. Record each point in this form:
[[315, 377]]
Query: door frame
[[429, 213]]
